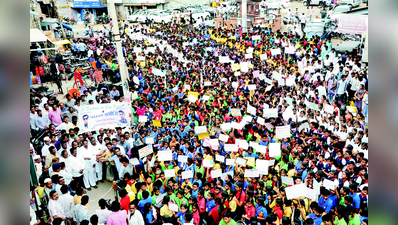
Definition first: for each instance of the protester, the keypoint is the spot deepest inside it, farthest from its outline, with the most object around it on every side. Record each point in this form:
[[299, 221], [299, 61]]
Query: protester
[[236, 124]]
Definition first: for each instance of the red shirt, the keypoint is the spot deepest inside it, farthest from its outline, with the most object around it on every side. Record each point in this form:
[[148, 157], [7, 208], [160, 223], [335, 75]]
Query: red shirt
[[216, 216], [124, 203]]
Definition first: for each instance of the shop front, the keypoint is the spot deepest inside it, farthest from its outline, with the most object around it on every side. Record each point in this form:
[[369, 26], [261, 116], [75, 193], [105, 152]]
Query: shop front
[[92, 8]]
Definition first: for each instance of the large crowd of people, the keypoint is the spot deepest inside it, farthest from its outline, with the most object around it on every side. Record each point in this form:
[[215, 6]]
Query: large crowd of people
[[215, 98]]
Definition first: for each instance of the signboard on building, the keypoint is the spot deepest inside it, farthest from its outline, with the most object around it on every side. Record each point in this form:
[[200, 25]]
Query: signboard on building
[[87, 4]]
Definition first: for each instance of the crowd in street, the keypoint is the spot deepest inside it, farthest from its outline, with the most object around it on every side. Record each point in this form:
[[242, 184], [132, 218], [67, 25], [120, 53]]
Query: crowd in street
[[241, 87]]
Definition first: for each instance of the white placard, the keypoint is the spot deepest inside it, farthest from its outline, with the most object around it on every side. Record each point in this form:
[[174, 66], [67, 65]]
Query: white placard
[[261, 76], [328, 108], [237, 73], [328, 184], [256, 37], [270, 113], [223, 137], [187, 174], [261, 149], [235, 85], [295, 191], [268, 81], [262, 166], [149, 140], [252, 173], [216, 173], [200, 129], [187, 86], [230, 162], [252, 110], [192, 98], [244, 66], [220, 158], [274, 149], [276, 51], [290, 50], [282, 131], [247, 56], [150, 49], [225, 126], [253, 144], [231, 147], [224, 59], [214, 142], [137, 49], [140, 58], [235, 125], [231, 172], [182, 158], [261, 120], [143, 119], [263, 56], [134, 161], [241, 161], [166, 155], [287, 180], [252, 87], [173, 207], [170, 173], [250, 50], [207, 83], [243, 144], [206, 97], [208, 163]]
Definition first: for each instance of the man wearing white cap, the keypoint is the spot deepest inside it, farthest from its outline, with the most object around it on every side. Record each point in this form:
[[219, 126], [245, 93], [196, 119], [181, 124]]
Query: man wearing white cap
[[38, 165], [47, 143]]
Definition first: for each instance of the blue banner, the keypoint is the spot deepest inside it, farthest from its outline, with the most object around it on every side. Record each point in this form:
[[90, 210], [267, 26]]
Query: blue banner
[[87, 4]]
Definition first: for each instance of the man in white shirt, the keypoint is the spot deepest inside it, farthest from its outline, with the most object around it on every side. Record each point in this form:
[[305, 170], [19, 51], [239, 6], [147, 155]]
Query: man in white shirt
[[77, 165], [134, 216], [67, 203], [64, 173], [102, 212], [98, 151], [55, 208], [303, 20], [89, 165], [44, 151]]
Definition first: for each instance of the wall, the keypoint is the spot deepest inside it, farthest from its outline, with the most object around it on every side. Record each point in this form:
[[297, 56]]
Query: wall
[[177, 3]]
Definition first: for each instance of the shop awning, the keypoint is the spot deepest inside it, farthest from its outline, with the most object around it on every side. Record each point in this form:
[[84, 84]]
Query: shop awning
[[48, 21], [37, 36], [68, 26]]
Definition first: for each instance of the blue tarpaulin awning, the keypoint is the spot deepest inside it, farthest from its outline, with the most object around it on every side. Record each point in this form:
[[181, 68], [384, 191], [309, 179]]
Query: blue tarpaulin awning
[[68, 26]]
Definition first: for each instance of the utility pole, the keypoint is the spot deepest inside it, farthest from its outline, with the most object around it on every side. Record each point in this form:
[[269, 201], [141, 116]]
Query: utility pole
[[120, 57], [244, 16]]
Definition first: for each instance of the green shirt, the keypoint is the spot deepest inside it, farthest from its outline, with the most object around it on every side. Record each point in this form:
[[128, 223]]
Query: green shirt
[[181, 201], [339, 222], [222, 222], [354, 220], [139, 195]]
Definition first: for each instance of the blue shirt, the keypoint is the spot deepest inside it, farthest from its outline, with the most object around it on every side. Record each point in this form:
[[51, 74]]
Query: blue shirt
[[210, 205], [326, 204], [149, 218], [181, 216], [118, 164], [143, 202], [260, 209], [318, 220], [356, 200]]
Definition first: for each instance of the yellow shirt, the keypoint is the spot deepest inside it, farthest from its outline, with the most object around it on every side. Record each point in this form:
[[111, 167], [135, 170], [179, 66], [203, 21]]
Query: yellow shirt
[[233, 205], [291, 173], [165, 211], [186, 184]]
